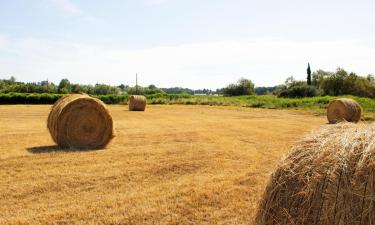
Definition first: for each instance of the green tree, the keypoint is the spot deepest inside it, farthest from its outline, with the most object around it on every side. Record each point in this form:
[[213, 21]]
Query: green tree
[[12, 79], [242, 87], [296, 89], [151, 86], [318, 77], [121, 86], [370, 78], [103, 89], [246, 86], [289, 81], [64, 86], [343, 83], [308, 74]]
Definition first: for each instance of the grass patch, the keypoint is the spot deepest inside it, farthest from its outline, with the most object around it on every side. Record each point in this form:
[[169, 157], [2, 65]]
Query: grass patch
[[315, 105]]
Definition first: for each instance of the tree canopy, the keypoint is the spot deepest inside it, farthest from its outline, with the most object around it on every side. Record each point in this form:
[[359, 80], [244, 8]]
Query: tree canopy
[[242, 87]]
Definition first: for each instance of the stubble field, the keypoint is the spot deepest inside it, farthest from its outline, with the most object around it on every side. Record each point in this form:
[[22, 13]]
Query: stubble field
[[167, 165]]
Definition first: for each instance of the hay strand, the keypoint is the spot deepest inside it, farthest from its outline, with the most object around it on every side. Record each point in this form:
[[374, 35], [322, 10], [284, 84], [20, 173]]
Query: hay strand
[[343, 109], [80, 121], [328, 178], [137, 103]]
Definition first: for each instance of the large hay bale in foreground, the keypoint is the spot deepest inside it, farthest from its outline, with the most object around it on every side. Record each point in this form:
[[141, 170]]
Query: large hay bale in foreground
[[80, 121], [343, 109], [327, 179], [137, 103]]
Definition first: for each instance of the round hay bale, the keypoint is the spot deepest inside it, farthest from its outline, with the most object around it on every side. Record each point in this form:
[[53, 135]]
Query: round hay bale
[[343, 110], [328, 178], [137, 103], [80, 121]]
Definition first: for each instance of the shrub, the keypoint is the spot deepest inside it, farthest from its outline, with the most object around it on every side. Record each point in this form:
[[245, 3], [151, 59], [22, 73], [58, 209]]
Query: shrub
[[298, 91], [243, 87]]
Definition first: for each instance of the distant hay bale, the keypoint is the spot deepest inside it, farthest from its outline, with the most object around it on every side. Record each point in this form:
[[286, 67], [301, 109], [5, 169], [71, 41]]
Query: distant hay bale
[[80, 121], [328, 178], [137, 103], [343, 110]]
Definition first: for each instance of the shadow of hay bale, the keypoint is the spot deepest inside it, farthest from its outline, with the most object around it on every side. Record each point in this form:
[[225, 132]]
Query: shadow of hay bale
[[56, 148]]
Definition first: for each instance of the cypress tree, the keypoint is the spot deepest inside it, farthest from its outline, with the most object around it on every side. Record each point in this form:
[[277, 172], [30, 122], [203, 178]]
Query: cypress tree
[[308, 74]]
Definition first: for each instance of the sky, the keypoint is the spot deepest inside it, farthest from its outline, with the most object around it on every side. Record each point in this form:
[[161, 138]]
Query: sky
[[185, 43]]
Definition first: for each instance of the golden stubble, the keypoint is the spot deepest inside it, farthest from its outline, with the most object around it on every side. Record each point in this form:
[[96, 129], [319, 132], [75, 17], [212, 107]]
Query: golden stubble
[[167, 165]]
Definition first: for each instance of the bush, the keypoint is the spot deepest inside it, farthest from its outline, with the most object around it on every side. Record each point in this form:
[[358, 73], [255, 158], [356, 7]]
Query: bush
[[46, 98], [298, 91], [243, 87], [112, 99], [26, 98]]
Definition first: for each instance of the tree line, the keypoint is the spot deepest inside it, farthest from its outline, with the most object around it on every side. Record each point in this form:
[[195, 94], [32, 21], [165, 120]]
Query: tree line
[[321, 83], [318, 83], [66, 87]]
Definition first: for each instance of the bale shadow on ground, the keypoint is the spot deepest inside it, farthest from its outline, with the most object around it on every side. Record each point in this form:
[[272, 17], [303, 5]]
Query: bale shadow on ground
[[56, 148]]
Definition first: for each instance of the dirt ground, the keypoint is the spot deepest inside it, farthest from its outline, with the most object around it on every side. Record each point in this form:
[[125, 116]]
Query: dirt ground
[[167, 165]]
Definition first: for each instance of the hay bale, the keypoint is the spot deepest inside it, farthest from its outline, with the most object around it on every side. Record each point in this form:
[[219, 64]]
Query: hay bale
[[137, 103], [343, 110], [328, 178], [80, 121]]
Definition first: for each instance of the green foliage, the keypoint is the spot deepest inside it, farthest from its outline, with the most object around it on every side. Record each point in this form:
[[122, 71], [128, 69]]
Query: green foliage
[[242, 87], [265, 90], [308, 74], [178, 90], [112, 98], [41, 87], [151, 89], [64, 86], [46, 98], [319, 76], [297, 90], [327, 83], [322, 83], [103, 89], [315, 104], [25, 98], [343, 83]]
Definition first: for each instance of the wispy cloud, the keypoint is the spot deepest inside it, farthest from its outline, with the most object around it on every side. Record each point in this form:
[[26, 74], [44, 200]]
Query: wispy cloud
[[67, 6], [195, 65]]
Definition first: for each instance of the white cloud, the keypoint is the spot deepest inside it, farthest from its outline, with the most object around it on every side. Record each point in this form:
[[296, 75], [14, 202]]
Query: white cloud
[[195, 65], [67, 6]]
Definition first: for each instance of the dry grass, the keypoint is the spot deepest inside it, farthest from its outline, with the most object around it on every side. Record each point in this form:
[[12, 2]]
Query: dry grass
[[167, 165], [328, 179]]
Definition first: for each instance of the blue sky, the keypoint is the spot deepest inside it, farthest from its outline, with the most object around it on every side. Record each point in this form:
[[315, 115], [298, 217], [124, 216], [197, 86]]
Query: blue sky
[[188, 43]]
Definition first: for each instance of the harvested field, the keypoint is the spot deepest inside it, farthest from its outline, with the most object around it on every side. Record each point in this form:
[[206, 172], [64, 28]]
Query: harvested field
[[167, 165]]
